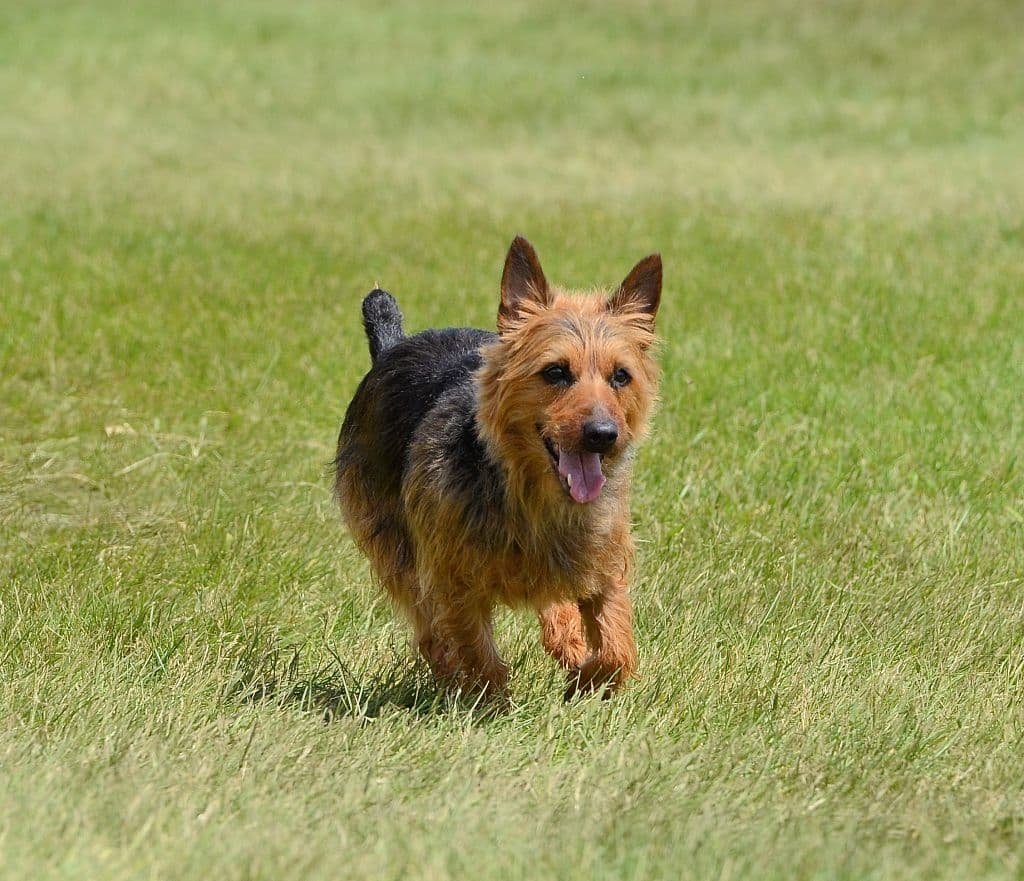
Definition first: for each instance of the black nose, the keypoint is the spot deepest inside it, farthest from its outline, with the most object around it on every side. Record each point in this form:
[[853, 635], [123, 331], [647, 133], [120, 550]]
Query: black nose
[[599, 435]]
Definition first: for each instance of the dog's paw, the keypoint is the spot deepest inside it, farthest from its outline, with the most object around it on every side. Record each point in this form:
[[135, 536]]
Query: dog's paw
[[591, 677]]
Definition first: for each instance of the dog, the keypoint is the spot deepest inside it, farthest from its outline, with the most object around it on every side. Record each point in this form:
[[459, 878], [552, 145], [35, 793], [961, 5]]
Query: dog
[[476, 468]]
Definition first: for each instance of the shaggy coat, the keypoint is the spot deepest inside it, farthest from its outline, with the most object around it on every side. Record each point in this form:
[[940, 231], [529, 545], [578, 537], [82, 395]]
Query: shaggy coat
[[478, 468]]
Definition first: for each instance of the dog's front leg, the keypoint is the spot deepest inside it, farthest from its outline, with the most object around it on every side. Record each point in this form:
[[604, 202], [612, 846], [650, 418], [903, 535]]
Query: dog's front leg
[[608, 620], [474, 661], [561, 632]]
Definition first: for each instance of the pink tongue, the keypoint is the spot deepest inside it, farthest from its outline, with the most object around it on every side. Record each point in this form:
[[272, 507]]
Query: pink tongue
[[585, 471]]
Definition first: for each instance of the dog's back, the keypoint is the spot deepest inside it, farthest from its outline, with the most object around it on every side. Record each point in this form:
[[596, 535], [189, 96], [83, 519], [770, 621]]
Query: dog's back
[[408, 376]]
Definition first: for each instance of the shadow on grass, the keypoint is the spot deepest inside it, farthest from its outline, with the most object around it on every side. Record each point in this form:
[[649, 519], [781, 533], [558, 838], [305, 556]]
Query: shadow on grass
[[335, 690]]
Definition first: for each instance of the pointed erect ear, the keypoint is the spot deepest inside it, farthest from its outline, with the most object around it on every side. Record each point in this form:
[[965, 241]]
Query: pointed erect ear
[[522, 280], [641, 291]]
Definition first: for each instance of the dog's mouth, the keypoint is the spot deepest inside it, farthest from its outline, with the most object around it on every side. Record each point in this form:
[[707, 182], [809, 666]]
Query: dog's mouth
[[579, 472]]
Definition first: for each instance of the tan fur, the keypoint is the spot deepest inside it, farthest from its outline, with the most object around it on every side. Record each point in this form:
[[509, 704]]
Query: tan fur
[[569, 562]]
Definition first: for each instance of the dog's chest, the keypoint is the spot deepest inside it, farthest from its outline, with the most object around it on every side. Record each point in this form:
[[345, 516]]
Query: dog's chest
[[561, 568]]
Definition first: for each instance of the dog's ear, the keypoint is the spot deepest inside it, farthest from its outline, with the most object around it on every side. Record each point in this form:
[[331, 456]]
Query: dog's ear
[[522, 281], [641, 290]]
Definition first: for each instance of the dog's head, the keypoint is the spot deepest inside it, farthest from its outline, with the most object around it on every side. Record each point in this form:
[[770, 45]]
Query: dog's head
[[569, 386]]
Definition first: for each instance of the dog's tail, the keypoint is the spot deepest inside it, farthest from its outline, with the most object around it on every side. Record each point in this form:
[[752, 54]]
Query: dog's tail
[[383, 322]]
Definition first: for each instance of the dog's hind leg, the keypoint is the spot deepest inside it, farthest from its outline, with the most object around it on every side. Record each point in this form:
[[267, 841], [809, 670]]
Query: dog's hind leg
[[561, 632]]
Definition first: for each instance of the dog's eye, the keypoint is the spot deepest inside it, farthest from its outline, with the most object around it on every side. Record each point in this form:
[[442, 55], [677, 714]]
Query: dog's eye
[[620, 377], [557, 374]]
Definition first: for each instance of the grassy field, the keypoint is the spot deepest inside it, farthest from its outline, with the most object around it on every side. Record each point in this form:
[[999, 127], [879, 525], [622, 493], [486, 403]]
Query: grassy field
[[197, 679]]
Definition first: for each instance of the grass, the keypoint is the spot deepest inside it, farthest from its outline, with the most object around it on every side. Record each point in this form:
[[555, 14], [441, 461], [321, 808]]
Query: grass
[[197, 678]]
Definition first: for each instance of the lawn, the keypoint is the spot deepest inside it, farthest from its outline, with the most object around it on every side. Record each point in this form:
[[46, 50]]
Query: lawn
[[197, 677]]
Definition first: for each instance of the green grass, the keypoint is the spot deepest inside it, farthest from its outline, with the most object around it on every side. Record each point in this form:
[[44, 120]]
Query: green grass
[[197, 678]]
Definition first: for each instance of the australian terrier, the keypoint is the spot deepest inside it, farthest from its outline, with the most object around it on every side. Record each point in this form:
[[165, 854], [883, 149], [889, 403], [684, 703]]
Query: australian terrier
[[476, 468]]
